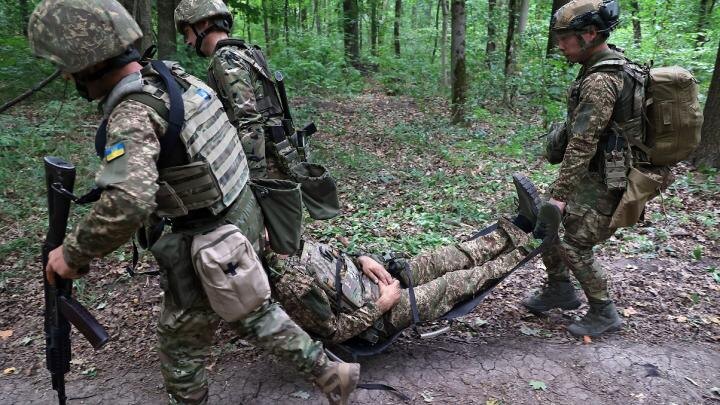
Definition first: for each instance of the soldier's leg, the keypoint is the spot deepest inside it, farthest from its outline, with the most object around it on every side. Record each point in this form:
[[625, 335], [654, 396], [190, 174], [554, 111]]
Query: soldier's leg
[[438, 296], [185, 337], [433, 264]]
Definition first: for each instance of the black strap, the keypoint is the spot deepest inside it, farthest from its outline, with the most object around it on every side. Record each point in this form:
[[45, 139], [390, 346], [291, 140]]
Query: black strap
[[130, 268], [338, 281], [411, 295], [384, 387], [176, 116], [483, 232]]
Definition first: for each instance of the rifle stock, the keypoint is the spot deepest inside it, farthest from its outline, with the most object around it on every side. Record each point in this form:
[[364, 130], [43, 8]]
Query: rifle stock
[[298, 137], [60, 308]]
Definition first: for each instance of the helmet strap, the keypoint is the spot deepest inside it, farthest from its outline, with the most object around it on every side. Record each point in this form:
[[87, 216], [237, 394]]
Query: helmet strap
[[199, 37]]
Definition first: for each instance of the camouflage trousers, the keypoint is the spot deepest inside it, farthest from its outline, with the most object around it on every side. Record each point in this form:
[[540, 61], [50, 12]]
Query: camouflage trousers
[[253, 143], [452, 274], [186, 337], [585, 228]]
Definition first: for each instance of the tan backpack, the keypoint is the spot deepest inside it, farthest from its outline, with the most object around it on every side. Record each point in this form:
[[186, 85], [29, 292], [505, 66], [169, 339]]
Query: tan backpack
[[674, 116]]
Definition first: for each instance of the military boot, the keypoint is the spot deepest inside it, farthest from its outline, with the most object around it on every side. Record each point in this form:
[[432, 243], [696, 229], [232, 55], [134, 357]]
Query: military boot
[[601, 317], [548, 222], [528, 202], [555, 294], [338, 381]]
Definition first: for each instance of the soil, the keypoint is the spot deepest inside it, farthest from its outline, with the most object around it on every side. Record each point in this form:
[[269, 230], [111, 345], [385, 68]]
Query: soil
[[667, 352]]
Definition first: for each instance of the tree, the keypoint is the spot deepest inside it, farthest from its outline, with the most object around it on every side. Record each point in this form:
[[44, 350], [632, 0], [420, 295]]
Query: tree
[[374, 27], [351, 31], [23, 6], [635, 12], [551, 40], [706, 7], [511, 41], [708, 152], [523, 16], [396, 26], [490, 46], [443, 44], [141, 11], [167, 38], [457, 61]]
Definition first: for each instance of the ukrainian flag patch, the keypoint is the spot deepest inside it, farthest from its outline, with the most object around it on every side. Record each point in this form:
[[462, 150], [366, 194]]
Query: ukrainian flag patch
[[115, 151]]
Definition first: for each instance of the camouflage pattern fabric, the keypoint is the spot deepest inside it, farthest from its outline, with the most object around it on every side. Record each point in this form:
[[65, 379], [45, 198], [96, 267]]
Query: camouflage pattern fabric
[[569, 15], [192, 11], [442, 277], [101, 29], [580, 182], [128, 201], [239, 87]]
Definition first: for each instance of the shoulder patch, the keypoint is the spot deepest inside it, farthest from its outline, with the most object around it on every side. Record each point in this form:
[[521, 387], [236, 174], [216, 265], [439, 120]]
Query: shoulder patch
[[114, 151], [202, 93]]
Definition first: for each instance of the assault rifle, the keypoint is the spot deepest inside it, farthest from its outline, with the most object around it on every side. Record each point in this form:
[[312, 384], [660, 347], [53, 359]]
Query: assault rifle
[[297, 137], [61, 309]]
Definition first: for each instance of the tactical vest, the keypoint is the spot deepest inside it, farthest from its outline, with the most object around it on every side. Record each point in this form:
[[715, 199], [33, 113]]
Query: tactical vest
[[210, 170], [627, 118], [268, 103]]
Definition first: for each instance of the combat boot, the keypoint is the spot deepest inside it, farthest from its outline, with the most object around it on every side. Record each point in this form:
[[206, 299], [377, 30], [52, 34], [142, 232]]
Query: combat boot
[[338, 381], [528, 202], [601, 317], [548, 222], [555, 294]]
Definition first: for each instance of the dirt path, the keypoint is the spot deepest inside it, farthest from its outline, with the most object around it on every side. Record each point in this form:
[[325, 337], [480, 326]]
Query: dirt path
[[409, 181], [440, 371]]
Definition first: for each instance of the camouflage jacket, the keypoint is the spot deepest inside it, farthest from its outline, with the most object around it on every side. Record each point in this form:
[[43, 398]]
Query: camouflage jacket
[[129, 180], [240, 87], [591, 103], [297, 286]]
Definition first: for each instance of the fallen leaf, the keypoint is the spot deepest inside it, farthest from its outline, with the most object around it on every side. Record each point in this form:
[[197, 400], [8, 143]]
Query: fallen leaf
[[538, 385], [9, 370], [5, 334], [492, 401], [526, 330], [681, 319], [715, 319], [26, 340], [300, 394], [627, 312], [587, 340], [426, 396]]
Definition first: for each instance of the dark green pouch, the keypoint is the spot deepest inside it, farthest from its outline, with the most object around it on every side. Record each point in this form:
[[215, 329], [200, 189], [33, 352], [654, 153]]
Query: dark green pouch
[[281, 204], [319, 190], [172, 252]]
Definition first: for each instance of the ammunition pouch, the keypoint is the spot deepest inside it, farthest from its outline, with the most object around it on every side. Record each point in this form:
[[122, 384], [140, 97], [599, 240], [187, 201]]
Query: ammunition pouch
[[615, 163], [281, 205], [319, 190], [283, 148]]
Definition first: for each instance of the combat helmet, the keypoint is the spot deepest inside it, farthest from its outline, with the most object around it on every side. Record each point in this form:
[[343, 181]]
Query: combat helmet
[[577, 15], [189, 12], [77, 34]]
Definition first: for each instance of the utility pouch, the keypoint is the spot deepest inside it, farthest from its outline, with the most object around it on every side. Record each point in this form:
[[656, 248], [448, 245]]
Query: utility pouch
[[172, 252], [615, 170], [642, 187], [319, 191], [281, 204], [230, 272]]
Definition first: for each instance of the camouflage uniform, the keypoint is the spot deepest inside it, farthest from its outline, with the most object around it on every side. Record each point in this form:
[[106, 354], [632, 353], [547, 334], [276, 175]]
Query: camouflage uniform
[[240, 87], [442, 278]]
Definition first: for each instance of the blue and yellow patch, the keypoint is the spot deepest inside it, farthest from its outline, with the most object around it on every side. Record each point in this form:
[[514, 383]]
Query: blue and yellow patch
[[114, 151]]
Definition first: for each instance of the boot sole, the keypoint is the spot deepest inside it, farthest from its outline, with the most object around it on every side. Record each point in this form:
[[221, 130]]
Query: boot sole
[[615, 328], [539, 311], [525, 186]]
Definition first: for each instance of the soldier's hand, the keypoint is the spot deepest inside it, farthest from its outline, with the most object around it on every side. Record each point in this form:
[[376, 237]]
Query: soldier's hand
[[374, 270], [560, 204], [57, 265], [389, 295]]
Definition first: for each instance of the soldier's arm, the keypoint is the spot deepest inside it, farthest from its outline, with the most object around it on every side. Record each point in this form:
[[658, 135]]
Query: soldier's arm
[[129, 182], [238, 84], [598, 94]]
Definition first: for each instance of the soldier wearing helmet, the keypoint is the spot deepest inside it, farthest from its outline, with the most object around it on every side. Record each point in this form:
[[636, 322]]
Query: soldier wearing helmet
[[239, 73], [600, 110], [142, 176]]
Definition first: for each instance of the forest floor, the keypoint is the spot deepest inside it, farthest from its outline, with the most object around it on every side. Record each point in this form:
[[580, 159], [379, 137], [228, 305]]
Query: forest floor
[[408, 181]]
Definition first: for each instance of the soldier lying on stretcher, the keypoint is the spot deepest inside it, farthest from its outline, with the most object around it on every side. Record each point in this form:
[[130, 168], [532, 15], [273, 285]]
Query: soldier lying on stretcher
[[373, 304]]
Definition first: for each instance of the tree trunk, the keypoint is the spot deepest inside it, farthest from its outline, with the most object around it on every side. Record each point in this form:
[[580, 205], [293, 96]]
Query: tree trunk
[[167, 38], [350, 31], [373, 27], [316, 16], [635, 12], [551, 39], [141, 10], [490, 46], [23, 5], [266, 27], [457, 61], [708, 152], [511, 40], [706, 7], [523, 17], [396, 26], [444, 79], [286, 27]]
